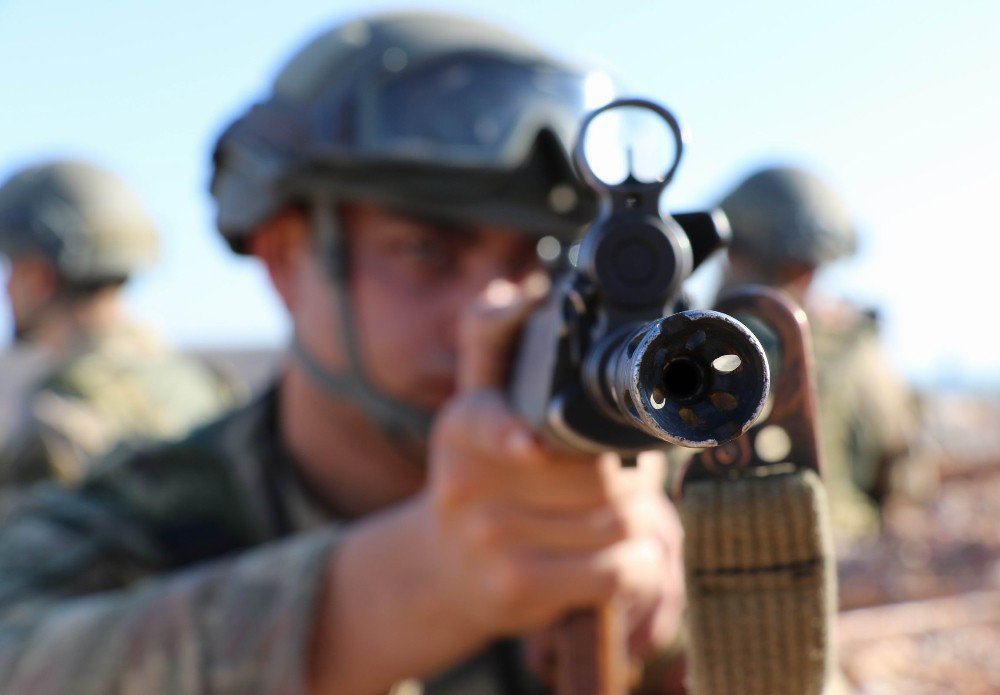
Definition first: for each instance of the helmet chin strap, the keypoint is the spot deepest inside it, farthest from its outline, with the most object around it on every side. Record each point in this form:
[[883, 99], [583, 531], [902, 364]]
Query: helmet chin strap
[[405, 427]]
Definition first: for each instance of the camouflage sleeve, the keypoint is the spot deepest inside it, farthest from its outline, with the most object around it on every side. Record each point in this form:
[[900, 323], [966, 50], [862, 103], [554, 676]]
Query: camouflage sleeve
[[24, 459], [59, 434], [78, 612], [884, 422], [886, 399]]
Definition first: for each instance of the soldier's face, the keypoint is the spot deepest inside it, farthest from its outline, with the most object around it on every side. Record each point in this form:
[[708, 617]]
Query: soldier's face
[[410, 280], [31, 285]]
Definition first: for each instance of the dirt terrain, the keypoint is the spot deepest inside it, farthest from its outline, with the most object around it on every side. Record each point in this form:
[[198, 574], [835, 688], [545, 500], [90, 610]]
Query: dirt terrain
[[920, 607]]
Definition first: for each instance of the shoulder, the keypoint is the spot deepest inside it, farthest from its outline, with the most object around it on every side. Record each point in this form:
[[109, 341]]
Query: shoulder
[[137, 386], [840, 329], [56, 433], [131, 353], [841, 317], [199, 495], [141, 510], [54, 429]]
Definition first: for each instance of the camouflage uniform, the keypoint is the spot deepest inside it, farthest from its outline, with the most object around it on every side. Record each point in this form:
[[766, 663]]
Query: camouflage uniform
[[112, 382], [122, 383], [784, 218], [866, 414], [193, 567]]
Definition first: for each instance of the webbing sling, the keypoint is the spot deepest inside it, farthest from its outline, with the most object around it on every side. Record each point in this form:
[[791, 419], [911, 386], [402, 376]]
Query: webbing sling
[[758, 553]]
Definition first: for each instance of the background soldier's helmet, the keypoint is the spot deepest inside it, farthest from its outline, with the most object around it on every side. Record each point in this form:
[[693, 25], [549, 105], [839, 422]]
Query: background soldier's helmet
[[784, 214], [82, 218], [431, 113]]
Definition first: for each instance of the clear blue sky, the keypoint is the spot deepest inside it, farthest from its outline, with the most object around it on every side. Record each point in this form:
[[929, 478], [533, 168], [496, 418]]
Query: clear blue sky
[[896, 102]]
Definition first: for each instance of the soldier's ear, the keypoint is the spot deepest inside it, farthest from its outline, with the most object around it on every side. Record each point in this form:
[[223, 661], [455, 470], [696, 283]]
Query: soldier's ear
[[283, 245]]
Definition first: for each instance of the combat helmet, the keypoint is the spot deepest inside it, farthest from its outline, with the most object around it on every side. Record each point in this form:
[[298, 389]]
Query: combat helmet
[[85, 220], [428, 112], [782, 214]]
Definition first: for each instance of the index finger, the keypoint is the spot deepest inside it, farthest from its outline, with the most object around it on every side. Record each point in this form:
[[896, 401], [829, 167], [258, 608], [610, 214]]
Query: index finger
[[489, 330]]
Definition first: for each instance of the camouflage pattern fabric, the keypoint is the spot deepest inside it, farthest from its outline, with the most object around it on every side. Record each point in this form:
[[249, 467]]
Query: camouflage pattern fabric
[[193, 567], [122, 383], [866, 415]]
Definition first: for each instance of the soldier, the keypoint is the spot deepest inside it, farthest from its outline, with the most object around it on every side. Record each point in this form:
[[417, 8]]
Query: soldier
[[73, 234], [380, 514], [787, 223]]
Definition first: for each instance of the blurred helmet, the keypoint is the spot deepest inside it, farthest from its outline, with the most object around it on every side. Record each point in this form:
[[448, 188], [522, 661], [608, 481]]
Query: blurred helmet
[[431, 113], [82, 218], [785, 214]]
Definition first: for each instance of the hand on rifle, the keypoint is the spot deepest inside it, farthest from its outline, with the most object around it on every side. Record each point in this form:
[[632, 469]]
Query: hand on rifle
[[524, 534], [506, 537]]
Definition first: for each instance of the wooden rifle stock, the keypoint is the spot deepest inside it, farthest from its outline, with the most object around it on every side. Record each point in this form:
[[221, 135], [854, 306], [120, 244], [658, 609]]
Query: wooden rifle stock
[[592, 652]]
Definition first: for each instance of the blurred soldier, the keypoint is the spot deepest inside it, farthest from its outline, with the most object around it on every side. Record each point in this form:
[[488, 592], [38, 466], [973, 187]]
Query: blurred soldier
[[394, 183], [73, 234], [787, 223]]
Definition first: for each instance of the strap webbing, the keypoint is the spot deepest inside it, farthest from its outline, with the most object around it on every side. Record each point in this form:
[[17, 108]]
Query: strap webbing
[[761, 584], [406, 427]]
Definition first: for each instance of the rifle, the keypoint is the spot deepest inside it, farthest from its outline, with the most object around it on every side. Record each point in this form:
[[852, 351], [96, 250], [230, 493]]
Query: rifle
[[612, 361]]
